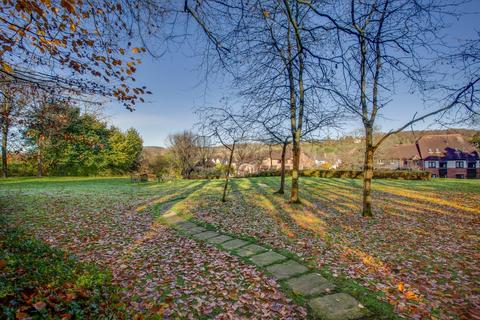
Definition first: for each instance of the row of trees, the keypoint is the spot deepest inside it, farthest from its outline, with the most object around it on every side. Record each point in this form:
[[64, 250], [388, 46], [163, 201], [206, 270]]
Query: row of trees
[[52, 136], [296, 66], [306, 65]]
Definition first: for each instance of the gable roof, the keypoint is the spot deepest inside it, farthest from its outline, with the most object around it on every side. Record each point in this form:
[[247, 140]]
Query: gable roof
[[405, 151], [447, 146]]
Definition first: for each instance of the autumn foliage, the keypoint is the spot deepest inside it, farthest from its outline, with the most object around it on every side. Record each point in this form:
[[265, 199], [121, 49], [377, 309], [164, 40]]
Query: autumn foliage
[[81, 46]]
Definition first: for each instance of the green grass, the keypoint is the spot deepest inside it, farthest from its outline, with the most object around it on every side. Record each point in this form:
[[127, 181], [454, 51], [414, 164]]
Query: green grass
[[40, 282], [33, 272]]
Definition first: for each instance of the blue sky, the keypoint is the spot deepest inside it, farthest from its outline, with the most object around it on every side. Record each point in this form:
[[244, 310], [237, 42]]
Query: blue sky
[[179, 86]]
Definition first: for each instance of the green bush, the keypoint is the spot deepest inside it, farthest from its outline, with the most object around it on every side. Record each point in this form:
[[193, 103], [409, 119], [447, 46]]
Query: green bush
[[352, 174]]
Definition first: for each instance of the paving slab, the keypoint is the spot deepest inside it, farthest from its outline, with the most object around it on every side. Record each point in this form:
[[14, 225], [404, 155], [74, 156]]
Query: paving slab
[[250, 250], [339, 306], [269, 257], [286, 269], [186, 225], [310, 284], [195, 230], [206, 235], [220, 239], [234, 244]]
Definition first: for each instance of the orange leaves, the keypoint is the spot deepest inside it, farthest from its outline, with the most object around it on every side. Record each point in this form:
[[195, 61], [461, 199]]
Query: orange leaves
[[68, 6], [410, 295], [136, 50]]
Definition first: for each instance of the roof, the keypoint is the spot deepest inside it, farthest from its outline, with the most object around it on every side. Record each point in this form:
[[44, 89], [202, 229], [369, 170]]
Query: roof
[[405, 151], [446, 147], [436, 147]]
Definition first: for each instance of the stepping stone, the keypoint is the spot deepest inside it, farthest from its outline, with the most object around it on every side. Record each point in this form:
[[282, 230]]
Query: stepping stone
[[287, 269], [233, 244], [310, 284], [250, 250], [339, 306], [186, 225], [219, 239], [206, 235], [264, 259], [195, 230]]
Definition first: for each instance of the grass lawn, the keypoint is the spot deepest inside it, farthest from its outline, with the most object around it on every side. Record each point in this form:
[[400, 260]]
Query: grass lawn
[[106, 258], [108, 254]]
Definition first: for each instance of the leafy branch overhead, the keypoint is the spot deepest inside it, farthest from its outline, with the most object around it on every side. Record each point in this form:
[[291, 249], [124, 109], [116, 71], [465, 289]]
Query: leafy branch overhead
[[75, 45]]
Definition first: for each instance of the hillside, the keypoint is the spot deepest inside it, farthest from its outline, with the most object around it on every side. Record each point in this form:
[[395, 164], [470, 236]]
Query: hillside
[[349, 149]]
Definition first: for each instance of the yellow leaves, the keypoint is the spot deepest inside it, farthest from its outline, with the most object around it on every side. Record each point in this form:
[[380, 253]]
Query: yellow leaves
[[73, 27], [401, 287], [266, 14], [7, 68]]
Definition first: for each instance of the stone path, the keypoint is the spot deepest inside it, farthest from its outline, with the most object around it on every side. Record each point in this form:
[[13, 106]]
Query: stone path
[[318, 291]]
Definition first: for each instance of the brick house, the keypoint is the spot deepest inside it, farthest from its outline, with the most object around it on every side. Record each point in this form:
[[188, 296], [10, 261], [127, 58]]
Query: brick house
[[274, 161], [443, 155]]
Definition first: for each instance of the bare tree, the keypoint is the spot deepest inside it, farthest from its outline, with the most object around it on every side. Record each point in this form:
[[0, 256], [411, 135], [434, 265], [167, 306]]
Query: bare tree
[[272, 126], [185, 149], [380, 44], [267, 48], [226, 128]]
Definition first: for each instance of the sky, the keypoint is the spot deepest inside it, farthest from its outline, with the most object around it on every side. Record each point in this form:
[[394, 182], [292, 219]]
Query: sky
[[179, 86]]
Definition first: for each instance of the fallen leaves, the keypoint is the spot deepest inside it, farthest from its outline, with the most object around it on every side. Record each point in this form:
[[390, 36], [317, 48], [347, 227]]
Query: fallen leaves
[[420, 249], [159, 272]]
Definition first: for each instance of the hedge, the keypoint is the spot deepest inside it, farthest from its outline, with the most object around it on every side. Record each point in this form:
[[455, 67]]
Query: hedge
[[352, 174]]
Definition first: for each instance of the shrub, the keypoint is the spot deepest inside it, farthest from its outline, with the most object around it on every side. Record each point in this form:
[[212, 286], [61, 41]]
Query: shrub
[[352, 174]]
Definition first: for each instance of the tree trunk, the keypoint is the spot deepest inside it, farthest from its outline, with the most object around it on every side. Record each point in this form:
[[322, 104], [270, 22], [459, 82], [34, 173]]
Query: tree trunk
[[295, 169], [282, 170], [270, 153], [4, 148], [225, 187], [368, 173], [39, 161]]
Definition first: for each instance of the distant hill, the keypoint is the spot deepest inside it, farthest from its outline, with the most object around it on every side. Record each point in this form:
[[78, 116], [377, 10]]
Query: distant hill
[[350, 149]]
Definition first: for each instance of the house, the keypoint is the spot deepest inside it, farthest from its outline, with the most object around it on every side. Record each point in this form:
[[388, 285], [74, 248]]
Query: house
[[443, 155], [273, 161]]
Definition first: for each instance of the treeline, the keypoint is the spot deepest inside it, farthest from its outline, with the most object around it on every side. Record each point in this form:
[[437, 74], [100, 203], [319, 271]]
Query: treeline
[[48, 135]]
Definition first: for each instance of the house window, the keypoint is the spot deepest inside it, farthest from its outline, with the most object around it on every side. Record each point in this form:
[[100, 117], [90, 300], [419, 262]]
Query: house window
[[459, 164], [434, 175], [443, 165], [432, 164], [429, 150], [472, 165], [460, 176], [380, 161]]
